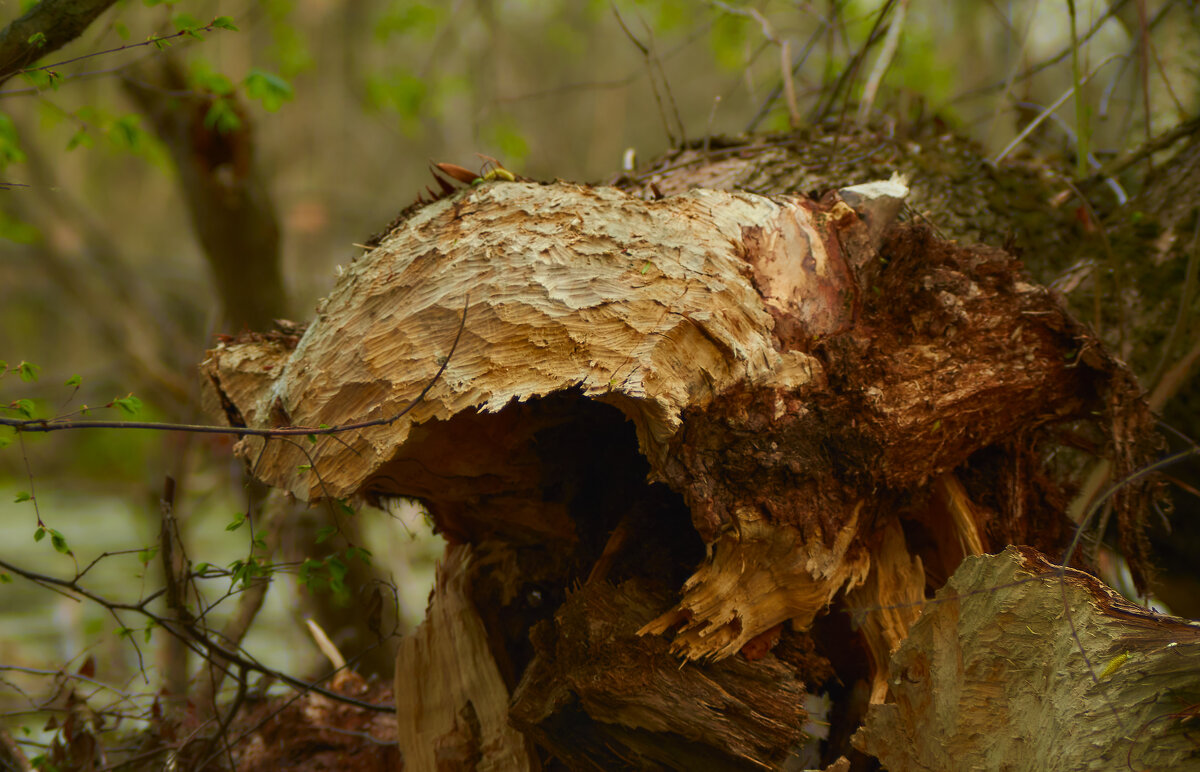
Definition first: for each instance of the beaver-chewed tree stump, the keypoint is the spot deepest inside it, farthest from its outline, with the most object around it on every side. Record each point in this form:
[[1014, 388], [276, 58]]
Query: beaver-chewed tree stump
[[700, 459]]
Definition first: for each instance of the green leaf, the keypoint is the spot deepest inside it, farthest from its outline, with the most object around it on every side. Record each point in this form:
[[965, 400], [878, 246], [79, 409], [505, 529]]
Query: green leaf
[[221, 117], [325, 532], [81, 138], [185, 22], [5, 578], [124, 632], [37, 39], [223, 22], [345, 508], [303, 467], [74, 380], [268, 88], [10, 146], [40, 533], [121, 29], [22, 496], [28, 371], [7, 435], [126, 132], [200, 568], [16, 231], [147, 554], [43, 79], [149, 631], [361, 553], [130, 405], [25, 407], [411, 20], [59, 542], [238, 519]]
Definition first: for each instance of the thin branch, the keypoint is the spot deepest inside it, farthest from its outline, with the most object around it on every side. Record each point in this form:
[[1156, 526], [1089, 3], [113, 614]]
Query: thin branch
[[43, 425], [46, 27]]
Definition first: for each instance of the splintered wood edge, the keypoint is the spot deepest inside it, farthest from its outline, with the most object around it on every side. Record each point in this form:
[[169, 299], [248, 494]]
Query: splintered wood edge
[[757, 577]]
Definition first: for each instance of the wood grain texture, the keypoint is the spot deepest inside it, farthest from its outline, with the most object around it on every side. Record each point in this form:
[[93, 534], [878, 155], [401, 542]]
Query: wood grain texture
[[650, 306], [991, 677]]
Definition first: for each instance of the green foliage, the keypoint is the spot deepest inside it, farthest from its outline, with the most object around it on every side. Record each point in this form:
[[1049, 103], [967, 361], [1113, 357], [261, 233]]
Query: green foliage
[[188, 24], [510, 144], [129, 405], [238, 520], [223, 22], [409, 19], [57, 540], [268, 88], [37, 39], [289, 50], [10, 147], [25, 407], [245, 571], [28, 371], [402, 93], [221, 117], [126, 133], [43, 80], [727, 41]]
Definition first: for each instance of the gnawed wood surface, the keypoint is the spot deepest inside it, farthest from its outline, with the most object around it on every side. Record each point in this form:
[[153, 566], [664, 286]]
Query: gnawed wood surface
[[452, 701], [1016, 666], [795, 404]]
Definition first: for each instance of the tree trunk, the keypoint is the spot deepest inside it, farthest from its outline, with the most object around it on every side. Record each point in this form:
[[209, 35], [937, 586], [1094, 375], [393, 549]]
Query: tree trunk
[[700, 458]]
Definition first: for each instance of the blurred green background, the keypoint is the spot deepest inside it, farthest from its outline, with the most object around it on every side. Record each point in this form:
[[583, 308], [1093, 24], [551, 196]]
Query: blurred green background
[[102, 276]]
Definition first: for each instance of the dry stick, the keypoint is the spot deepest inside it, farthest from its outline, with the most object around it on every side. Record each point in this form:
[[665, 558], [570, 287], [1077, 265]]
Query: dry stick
[[1163, 141], [662, 74], [193, 638], [1184, 313], [785, 54], [882, 63], [175, 678], [1035, 69], [649, 71], [851, 72], [1050, 109], [794, 68], [250, 602]]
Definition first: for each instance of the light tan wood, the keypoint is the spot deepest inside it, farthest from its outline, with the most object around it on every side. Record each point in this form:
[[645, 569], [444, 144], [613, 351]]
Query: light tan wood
[[451, 702]]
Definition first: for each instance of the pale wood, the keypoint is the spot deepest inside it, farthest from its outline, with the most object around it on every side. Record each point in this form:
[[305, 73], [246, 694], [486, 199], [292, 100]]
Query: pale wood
[[451, 702], [994, 676], [648, 305]]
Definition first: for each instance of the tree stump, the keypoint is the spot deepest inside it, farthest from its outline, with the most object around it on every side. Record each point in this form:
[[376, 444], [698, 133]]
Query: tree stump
[[700, 458]]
